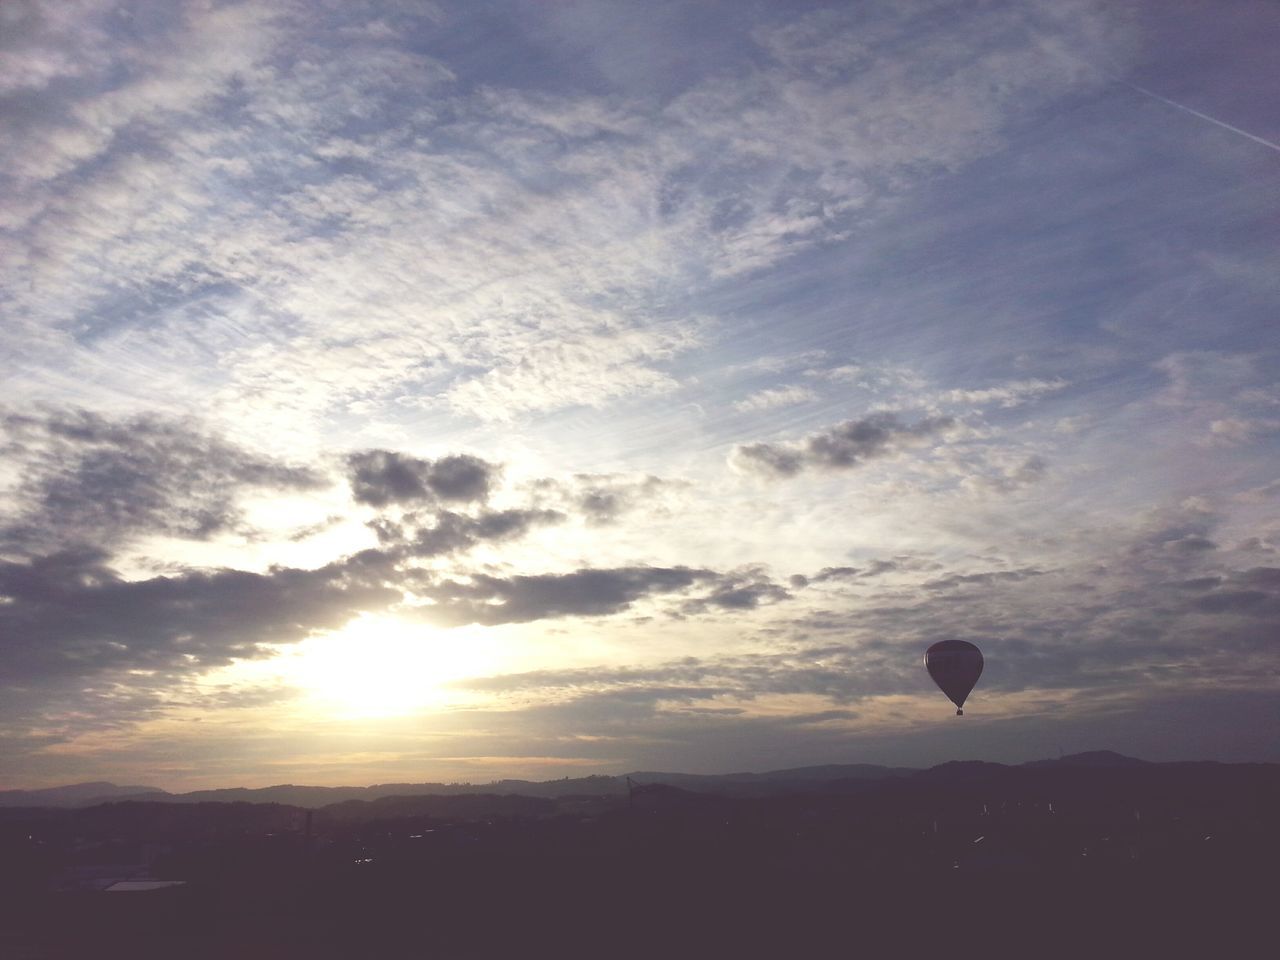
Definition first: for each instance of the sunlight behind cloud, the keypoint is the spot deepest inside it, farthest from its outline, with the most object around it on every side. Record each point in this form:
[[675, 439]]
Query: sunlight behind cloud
[[380, 666]]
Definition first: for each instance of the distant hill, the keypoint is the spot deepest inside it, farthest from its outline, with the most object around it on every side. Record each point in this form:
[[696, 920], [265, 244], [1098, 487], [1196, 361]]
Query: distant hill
[[830, 778], [1093, 758], [770, 783], [966, 771], [315, 797], [78, 795], [773, 782], [440, 807]]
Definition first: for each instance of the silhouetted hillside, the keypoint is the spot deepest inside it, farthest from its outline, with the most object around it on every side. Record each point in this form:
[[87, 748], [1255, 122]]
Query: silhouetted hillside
[[1091, 758], [1102, 857], [739, 784], [774, 782], [74, 795], [462, 807], [1101, 767]]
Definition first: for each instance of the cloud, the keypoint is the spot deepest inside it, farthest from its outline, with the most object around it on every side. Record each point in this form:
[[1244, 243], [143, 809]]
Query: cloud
[[89, 479], [1129, 636], [743, 589], [305, 223], [825, 671], [1232, 601], [1006, 474], [62, 57], [1175, 535], [487, 599], [985, 578], [1005, 395], [873, 569], [604, 499], [453, 533], [773, 398], [251, 191], [1261, 576], [1199, 378], [836, 573], [1253, 593], [69, 614], [1260, 494], [844, 446], [380, 478], [580, 369], [1234, 431], [881, 377]]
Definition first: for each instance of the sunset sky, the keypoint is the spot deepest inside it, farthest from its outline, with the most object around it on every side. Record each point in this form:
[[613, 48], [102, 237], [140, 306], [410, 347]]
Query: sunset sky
[[404, 391]]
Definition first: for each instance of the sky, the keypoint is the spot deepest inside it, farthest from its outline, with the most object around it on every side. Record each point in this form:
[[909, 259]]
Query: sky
[[412, 391]]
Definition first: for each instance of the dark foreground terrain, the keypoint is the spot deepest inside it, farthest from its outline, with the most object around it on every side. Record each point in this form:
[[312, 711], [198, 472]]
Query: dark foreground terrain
[[962, 860]]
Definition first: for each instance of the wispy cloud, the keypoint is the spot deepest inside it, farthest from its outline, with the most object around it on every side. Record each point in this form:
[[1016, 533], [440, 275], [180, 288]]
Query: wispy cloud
[[775, 397], [254, 160]]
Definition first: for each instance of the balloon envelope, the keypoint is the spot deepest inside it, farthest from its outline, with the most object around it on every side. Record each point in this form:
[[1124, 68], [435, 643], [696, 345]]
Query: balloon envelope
[[955, 666]]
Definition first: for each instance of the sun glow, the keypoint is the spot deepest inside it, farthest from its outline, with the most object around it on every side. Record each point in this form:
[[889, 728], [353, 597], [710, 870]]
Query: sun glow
[[380, 666]]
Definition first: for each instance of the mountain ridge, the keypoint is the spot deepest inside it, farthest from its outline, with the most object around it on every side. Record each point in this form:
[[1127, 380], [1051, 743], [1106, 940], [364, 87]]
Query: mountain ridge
[[741, 783]]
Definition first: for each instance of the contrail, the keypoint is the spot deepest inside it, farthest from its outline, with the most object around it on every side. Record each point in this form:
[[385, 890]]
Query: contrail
[[1205, 116]]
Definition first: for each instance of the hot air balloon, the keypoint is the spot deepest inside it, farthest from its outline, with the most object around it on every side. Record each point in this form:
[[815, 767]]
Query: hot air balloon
[[955, 666]]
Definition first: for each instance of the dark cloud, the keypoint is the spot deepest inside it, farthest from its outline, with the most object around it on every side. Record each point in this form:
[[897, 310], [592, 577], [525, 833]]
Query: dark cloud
[[583, 593], [1230, 601], [743, 589], [447, 532], [89, 479], [835, 573], [1268, 577], [1249, 593], [383, 477], [1176, 532], [456, 532], [69, 614], [875, 568], [461, 477], [379, 478], [842, 447], [986, 578], [879, 567], [1198, 583], [602, 506]]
